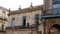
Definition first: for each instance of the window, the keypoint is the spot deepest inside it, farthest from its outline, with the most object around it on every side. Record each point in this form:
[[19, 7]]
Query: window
[[24, 21], [54, 12], [2, 27], [13, 22], [36, 19], [56, 7]]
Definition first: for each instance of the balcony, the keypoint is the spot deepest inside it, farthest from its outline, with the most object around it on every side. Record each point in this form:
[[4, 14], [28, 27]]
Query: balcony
[[3, 16]]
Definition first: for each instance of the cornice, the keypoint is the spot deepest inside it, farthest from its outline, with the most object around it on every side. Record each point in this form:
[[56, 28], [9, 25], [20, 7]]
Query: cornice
[[35, 8]]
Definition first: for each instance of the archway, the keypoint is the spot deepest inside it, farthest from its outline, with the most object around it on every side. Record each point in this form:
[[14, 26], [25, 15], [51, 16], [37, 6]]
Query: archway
[[55, 29]]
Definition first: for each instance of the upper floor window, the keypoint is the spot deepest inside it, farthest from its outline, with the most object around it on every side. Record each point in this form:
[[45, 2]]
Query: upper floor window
[[56, 7], [36, 19], [13, 22], [2, 26], [24, 21]]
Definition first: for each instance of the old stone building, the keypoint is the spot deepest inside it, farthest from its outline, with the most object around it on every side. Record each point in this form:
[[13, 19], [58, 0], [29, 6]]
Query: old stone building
[[3, 19], [33, 20], [51, 16], [25, 20]]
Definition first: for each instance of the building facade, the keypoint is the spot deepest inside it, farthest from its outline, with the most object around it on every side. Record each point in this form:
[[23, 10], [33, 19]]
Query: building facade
[[33, 20], [3, 19], [51, 16], [26, 19]]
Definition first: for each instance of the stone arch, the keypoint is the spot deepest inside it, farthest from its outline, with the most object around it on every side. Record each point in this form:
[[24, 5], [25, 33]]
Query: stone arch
[[55, 29], [53, 24]]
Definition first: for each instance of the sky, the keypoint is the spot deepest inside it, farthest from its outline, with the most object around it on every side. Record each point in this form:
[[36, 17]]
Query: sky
[[14, 4]]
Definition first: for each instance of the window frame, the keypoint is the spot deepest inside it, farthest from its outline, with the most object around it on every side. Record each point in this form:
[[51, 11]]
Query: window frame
[[13, 23], [24, 21]]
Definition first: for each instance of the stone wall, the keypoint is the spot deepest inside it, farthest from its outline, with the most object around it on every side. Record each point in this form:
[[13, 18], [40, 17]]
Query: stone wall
[[21, 31], [49, 23]]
